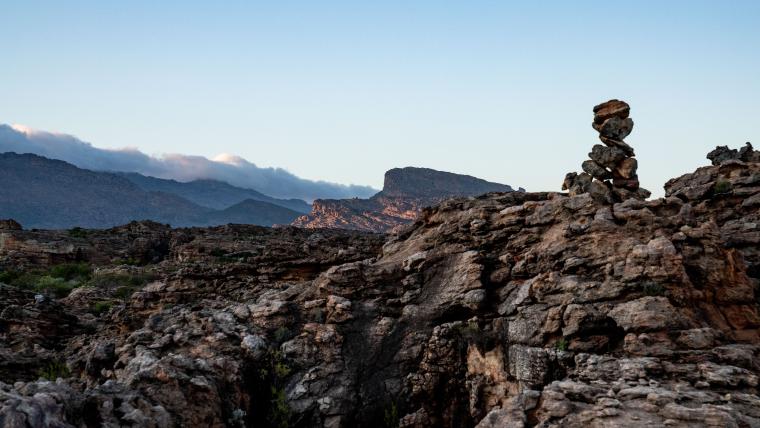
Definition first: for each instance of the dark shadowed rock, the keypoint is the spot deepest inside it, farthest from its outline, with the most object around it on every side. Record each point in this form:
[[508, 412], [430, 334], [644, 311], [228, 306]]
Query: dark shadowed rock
[[10, 224]]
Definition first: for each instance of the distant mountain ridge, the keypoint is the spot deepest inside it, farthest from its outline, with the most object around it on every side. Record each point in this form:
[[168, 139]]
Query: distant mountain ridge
[[274, 182], [45, 193], [210, 193], [406, 191]]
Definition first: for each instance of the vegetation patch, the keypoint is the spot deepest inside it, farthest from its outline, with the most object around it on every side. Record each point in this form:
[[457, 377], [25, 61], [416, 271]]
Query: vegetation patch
[[722, 187], [273, 374], [561, 344], [124, 285], [78, 232], [101, 307], [57, 281], [653, 289], [54, 370]]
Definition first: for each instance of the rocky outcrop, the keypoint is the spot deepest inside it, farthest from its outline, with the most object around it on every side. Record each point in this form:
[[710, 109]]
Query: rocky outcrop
[[610, 173], [506, 309], [723, 154], [10, 224], [406, 191]]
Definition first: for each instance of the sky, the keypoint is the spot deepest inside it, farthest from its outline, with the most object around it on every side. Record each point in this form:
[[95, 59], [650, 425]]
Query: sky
[[343, 91]]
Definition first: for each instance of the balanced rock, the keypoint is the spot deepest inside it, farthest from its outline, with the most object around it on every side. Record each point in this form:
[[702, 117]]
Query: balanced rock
[[612, 161], [597, 171], [610, 109], [608, 157]]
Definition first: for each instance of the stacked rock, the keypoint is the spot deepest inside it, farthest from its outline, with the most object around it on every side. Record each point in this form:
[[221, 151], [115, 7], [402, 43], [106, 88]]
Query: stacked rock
[[610, 174]]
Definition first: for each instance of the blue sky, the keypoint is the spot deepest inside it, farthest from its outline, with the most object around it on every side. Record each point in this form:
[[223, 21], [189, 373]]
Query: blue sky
[[343, 91]]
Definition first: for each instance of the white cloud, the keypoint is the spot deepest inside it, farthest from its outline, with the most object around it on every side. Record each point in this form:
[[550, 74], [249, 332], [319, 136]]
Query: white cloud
[[233, 169]]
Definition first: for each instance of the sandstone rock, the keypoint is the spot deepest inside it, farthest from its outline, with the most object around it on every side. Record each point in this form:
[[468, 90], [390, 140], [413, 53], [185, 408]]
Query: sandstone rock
[[610, 109]]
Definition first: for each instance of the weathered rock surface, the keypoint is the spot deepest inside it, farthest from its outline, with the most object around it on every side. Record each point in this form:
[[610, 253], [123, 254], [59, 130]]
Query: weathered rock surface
[[507, 309]]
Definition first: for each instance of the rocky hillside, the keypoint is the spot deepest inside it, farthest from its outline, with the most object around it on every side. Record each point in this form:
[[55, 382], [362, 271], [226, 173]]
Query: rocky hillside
[[211, 193], [46, 193], [503, 310], [406, 191]]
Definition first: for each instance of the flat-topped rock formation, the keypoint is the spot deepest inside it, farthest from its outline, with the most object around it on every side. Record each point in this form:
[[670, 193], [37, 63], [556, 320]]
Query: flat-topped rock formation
[[406, 191]]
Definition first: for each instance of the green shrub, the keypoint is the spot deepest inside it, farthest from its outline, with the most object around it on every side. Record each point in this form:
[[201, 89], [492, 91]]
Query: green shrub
[[8, 277], [101, 307], [279, 411], [123, 284], [71, 271], [59, 287], [54, 370], [59, 280], [653, 289], [721, 187], [282, 334], [561, 344], [78, 232], [218, 252], [390, 417], [274, 373]]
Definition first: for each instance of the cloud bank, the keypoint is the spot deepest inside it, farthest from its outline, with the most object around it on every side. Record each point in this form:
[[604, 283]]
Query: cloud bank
[[235, 170]]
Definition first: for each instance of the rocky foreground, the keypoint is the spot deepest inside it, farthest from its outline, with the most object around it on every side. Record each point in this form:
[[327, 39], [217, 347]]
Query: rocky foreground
[[509, 309]]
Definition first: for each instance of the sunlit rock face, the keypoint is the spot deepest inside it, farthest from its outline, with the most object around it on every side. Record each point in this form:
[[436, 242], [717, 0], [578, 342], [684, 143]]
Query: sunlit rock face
[[405, 193]]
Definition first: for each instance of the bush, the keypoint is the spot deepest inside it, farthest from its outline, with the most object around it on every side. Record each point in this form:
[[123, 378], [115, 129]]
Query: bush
[[218, 252], [721, 187], [78, 232], [653, 289], [282, 334], [123, 284], [390, 416], [72, 271], [561, 344], [100, 308], [54, 370], [59, 287], [274, 374]]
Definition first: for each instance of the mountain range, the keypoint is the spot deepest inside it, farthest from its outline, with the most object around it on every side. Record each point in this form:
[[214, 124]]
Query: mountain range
[[235, 170], [46, 193], [53, 194]]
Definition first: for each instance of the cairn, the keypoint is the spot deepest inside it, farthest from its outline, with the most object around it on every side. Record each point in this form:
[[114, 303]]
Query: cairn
[[610, 174]]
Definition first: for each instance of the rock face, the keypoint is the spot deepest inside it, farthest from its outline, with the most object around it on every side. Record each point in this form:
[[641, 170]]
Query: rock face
[[610, 174], [406, 191], [723, 153], [10, 224], [508, 309]]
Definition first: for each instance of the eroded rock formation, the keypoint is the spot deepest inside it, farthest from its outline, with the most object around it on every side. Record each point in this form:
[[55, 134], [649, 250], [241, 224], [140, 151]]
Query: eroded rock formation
[[406, 191], [610, 173], [508, 309]]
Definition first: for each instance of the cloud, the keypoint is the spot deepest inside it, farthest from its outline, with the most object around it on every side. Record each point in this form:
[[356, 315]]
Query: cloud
[[235, 170]]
